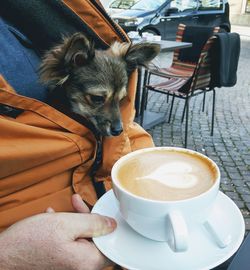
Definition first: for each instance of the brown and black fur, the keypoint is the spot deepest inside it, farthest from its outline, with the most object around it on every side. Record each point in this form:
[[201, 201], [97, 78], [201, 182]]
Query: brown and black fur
[[91, 83]]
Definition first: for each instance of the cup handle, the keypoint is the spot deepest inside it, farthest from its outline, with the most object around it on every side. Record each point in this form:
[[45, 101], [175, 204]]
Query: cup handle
[[178, 233], [219, 236]]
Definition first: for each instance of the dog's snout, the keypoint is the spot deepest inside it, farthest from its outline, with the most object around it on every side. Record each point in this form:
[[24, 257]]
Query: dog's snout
[[116, 132], [116, 128]]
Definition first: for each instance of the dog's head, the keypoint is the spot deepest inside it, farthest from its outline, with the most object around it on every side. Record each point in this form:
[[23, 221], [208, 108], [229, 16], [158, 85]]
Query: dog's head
[[94, 82]]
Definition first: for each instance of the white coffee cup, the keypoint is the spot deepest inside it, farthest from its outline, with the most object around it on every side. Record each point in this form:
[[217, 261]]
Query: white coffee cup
[[165, 220]]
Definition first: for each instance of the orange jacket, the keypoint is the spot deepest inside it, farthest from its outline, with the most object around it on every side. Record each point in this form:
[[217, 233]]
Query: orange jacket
[[45, 156]]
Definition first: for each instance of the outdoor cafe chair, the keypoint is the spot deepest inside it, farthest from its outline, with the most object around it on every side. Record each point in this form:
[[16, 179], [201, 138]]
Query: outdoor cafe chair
[[185, 80], [185, 60]]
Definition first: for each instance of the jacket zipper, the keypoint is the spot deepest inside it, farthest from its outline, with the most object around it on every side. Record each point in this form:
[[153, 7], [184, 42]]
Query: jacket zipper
[[98, 186], [123, 37]]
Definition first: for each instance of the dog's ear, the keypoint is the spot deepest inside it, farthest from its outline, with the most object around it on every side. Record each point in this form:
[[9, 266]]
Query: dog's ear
[[78, 51], [135, 54], [141, 54], [74, 52]]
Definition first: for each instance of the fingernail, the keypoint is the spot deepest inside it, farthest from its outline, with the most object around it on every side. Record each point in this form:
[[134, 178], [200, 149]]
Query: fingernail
[[50, 210], [78, 196], [111, 222]]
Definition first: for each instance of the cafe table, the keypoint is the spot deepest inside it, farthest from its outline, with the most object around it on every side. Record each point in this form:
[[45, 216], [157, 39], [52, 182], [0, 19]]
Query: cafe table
[[240, 260], [152, 118]]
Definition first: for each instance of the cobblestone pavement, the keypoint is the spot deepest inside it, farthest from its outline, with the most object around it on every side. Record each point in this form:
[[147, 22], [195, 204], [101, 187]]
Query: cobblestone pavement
[[229, 147]]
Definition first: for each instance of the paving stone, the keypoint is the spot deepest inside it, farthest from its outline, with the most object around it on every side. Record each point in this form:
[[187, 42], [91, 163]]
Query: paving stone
[[238, 183], [247, 224], [248, 184], [245, 212], [229, 164], [240, 165], [246, 198], [231, 169], [228, 187], [225, 157], [248, 206], [240, 204], [247, 161], [245, 174], [235, 175], [233, 195], [243, 190]]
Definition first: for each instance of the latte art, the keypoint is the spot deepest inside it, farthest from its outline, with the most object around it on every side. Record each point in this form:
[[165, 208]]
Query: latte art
[[167, 175], [174, 174]]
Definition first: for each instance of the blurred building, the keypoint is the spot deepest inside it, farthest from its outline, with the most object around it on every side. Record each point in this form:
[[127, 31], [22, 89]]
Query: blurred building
[[240, 12]]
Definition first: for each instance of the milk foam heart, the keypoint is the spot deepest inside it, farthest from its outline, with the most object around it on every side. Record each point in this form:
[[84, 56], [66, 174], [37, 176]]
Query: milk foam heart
[[166, 175], [174, 174]]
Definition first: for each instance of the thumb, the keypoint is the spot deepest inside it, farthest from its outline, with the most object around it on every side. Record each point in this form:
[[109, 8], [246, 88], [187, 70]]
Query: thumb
[[86, 225]]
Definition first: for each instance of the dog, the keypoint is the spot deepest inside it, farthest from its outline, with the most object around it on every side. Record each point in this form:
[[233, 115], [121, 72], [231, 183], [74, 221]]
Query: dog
[[91, 83]]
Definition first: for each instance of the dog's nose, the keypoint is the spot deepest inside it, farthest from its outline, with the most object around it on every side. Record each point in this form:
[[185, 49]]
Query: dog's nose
[[116, 128]]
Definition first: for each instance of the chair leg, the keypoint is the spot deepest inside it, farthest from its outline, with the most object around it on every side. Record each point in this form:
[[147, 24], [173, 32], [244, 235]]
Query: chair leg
[[213, 109], [167, 98], [171, 109], [138, 94], [149, 75], [183, 113], [146, 98], [146, 75], [186, 124], [143, 100], [204, 101]]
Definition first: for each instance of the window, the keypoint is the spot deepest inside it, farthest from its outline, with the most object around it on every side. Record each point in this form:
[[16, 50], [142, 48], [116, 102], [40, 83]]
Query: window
[[137, 4], [184, 5], [148, 5], [248, 6], [123, 4], [211, 5]]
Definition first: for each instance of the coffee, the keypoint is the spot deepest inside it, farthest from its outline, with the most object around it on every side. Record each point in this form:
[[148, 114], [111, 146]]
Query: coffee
[[167, 175]]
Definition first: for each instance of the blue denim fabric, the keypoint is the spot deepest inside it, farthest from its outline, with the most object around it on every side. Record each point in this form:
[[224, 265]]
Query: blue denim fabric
[[19, 63]]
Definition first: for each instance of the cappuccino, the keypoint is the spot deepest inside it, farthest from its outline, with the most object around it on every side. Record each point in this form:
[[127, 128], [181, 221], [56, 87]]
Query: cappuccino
[[167, 175]]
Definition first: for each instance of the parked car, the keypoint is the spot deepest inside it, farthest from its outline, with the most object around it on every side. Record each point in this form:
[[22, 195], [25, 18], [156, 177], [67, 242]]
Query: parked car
[[161, 17]]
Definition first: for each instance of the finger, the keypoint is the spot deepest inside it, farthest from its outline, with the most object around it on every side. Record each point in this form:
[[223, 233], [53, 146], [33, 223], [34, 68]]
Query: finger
[[106, 262], [50, 210], [96, 259], [78, 204], [102, 261], [86, 225]]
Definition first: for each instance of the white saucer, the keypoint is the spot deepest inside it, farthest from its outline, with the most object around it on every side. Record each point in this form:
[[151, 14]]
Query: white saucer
[[129, 249]]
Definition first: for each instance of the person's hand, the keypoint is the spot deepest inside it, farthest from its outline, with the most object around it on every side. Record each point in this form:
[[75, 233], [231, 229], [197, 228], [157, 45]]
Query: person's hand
[[55, 241]]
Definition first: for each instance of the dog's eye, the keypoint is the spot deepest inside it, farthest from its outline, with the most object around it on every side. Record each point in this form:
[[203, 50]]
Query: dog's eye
[[97, 99]]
